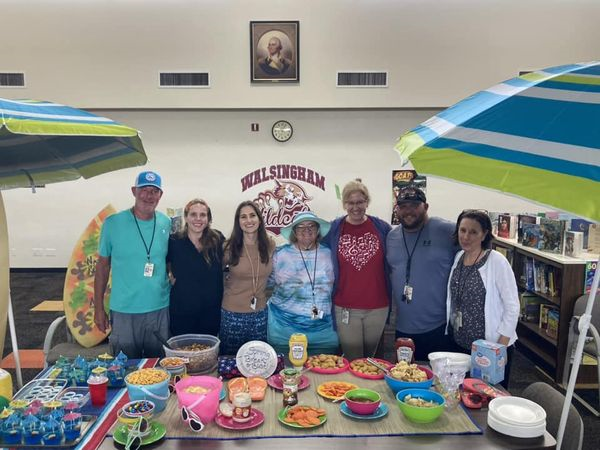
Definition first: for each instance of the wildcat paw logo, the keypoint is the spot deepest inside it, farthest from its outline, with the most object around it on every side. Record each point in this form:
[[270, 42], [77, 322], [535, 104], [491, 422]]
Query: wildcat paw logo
[[286, 197]]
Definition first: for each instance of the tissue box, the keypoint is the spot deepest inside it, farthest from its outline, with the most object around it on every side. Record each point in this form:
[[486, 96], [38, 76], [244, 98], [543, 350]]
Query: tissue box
[[488, 360]]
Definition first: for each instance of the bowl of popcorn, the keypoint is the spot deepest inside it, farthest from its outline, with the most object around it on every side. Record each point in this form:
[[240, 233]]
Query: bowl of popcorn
[[408, 376], [420, 405]]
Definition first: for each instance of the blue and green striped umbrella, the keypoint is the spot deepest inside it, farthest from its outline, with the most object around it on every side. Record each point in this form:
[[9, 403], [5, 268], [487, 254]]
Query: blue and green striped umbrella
[[43, 142], [536, 136]]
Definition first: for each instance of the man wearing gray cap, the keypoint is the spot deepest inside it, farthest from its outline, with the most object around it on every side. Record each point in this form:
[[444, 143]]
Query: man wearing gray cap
[[420, 253], [133, 245]]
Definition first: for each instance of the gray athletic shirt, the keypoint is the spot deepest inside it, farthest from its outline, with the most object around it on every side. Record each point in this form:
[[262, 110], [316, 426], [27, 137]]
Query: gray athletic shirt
[[430, 268]]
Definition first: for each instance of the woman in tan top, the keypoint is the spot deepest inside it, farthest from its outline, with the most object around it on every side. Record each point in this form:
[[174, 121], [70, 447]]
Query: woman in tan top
[[248, 260]]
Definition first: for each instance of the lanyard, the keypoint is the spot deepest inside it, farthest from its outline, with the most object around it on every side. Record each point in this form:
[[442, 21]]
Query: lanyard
[[411, 253], [314, 277], [254, 280], [148, 249]]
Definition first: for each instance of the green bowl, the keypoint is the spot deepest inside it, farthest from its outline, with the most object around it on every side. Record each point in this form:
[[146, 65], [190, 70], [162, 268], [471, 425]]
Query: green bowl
[[421, 414]]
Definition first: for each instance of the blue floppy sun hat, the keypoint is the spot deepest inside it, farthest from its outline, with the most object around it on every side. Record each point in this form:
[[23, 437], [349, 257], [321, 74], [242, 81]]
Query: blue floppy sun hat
[[305, 216]]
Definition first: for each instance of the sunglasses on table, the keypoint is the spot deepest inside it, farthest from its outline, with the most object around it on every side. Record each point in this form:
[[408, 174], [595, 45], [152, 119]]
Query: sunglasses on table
[[173, 382], [188, 416], [134, 436]]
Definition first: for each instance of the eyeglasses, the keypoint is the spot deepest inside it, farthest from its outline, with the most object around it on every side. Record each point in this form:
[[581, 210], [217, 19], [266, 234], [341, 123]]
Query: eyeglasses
[[306, 229], [358, 203], [173, 382], [134, 437]]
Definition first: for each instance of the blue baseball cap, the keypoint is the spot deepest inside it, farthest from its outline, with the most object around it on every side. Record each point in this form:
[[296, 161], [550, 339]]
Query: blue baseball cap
[[148, 178]]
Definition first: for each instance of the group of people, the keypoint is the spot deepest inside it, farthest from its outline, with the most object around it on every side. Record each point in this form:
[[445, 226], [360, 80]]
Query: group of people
[[334, 281]]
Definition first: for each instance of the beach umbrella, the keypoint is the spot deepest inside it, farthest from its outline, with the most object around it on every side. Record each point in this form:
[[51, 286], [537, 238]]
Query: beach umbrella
[[43, 142], [536, 136]]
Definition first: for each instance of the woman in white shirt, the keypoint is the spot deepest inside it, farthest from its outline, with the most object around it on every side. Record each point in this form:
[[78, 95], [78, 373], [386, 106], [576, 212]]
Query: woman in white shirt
[[483, 300]]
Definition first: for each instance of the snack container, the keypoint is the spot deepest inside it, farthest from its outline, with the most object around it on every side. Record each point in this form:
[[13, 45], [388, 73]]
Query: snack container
[[488, 360], [200, 361]]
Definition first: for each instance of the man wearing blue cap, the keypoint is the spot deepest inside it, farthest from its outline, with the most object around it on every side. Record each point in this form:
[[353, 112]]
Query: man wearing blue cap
[[133, 245]]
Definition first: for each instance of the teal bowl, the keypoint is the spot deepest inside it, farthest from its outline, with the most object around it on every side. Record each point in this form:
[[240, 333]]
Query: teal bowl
[[421, 414], [399, 385]]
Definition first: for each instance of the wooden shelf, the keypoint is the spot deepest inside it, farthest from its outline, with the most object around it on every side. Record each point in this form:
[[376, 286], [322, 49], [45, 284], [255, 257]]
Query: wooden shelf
[[537, 330], [569, 280]]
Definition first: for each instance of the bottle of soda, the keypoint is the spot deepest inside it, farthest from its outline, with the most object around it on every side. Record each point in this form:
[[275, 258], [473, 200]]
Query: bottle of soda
[[405, 349]]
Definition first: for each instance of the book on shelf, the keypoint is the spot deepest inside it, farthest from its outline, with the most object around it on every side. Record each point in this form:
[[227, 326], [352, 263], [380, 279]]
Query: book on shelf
[[521, 220], [527, 276], [552, 326], [545, 308], [507, 226], [493, 215], [583, 226], [594, 238], [590, 270], [552, 235], [532, 234], [573, 243], [530, 307]]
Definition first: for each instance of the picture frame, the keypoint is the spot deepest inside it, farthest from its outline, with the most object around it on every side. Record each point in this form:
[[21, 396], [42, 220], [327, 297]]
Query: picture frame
[[275, 51]]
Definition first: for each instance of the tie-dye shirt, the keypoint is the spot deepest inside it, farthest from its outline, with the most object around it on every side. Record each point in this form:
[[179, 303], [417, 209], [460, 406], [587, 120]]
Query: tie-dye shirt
[[291, 281]]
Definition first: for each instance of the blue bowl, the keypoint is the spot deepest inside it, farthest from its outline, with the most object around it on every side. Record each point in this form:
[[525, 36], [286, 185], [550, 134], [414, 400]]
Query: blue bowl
[[421, 414], [399, 385]]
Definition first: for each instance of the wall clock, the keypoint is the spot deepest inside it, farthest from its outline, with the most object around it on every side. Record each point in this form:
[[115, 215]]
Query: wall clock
[[282, 131]]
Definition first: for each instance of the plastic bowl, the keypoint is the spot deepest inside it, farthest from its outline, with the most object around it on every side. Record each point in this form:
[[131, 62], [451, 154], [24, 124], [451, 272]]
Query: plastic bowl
[[458, 362], [420, 414], [202, 402], [399, 385], [200, 361], [362, 401]]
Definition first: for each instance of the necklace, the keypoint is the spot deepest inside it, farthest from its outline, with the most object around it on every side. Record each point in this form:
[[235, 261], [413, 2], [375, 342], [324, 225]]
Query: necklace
[[253, 300], [462, 280], [315, 310]]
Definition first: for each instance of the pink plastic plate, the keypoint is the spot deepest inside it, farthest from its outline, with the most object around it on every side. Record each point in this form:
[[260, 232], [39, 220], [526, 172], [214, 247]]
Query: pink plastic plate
[[332, 371], [276, 383], [227, 422], [383, 362]]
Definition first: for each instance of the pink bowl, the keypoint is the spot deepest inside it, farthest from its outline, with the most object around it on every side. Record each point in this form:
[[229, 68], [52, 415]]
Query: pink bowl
[[362, 401], [205, 404]]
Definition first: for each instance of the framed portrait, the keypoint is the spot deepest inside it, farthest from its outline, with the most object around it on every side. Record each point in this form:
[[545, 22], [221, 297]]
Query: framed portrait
[[274, 52]]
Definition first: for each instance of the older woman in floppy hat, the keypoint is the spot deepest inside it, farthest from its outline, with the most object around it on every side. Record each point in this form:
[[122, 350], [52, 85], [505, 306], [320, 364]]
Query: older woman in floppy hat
[[302, 279]]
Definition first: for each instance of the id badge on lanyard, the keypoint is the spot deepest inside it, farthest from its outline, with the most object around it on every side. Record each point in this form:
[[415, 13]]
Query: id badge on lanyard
[[148, 269]]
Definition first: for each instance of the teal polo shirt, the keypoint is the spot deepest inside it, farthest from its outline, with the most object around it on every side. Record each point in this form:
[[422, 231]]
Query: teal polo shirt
[[121, 241]]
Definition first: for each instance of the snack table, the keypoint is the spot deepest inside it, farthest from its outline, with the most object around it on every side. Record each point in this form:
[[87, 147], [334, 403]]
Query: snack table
[[339, 432]]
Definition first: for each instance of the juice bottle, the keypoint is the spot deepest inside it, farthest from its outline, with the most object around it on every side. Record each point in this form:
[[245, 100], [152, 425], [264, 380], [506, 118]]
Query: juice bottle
[[298, 349]]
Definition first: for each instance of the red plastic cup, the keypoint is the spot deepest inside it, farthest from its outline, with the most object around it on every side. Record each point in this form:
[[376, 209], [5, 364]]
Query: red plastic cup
[[98, 386]]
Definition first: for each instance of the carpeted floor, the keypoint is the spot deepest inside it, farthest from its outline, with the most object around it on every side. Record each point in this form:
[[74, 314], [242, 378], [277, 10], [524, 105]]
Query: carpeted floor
[[29, 288]]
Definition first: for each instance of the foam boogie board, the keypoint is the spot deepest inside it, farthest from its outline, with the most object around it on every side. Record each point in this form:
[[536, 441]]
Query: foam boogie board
[[78, 293]]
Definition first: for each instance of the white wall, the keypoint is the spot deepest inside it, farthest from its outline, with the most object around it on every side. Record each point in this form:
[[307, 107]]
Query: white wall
[[106, 55], [205, 154]]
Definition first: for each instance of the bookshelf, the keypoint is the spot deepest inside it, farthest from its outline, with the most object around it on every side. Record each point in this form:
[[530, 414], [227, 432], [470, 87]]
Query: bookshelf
[[558, 281]]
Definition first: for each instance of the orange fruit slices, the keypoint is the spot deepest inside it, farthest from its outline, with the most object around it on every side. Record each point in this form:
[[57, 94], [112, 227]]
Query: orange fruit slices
[[256, 386]]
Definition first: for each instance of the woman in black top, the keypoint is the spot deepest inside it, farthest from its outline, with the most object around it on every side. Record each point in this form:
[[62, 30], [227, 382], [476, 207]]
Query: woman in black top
[[195, 269]]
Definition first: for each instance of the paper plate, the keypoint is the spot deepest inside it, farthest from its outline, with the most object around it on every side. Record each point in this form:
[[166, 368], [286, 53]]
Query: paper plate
[[378, 414], [517, 411], [257, 418], [158, 432], [331, 371], [380, 376], [276, 383], [515, 430], [341, 385], [256, 359], [283, 412]]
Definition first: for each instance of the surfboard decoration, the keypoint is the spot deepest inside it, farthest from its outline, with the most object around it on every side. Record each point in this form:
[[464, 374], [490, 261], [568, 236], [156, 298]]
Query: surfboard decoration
[[78, 292]]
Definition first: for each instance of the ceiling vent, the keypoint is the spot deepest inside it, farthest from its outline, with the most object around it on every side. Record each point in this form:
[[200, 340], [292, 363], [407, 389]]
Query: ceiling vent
[[362, 79], [184, 80], [12, 79]]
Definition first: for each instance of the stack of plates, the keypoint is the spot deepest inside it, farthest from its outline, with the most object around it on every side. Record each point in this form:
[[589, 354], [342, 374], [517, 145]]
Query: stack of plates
[[517, 417]]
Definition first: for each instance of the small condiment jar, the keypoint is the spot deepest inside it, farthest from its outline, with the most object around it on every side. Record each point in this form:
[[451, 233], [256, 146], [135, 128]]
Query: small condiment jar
[[242, 407], [290, 379]]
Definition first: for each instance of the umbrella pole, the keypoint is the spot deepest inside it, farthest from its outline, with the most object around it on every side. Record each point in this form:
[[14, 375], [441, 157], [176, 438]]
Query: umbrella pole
[[584, 325]]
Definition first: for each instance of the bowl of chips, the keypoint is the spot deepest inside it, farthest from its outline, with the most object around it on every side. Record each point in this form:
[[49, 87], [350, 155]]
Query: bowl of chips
[[420, 405], [408, 376], [149, 384]]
